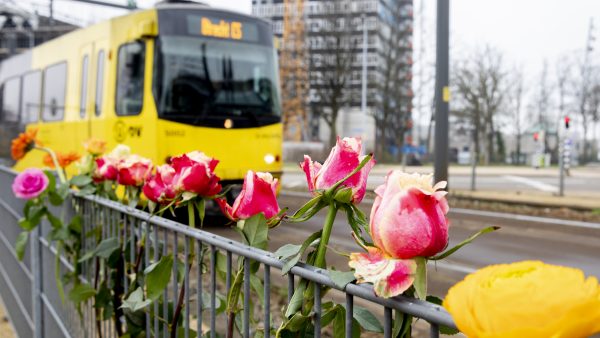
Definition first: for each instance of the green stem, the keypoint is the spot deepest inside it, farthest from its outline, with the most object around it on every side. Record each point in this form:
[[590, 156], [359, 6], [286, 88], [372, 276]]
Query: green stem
[[327, 227], [59, 171], [191, 214]]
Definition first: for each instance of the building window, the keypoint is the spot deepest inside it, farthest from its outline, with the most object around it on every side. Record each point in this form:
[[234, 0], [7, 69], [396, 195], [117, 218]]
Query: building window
[[130, 79], [99, 83], [55, 85], [84, 85], [30, 104]]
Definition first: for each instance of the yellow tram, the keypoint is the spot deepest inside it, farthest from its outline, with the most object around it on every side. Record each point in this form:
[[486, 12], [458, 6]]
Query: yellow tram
[[166, 80]]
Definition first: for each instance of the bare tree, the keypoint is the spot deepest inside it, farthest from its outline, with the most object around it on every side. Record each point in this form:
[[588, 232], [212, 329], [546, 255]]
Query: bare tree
[[541, 105], [330, 71], [563, 79], [594, 112], [515, 97], [393, 114], [480, 89], [583, 87]]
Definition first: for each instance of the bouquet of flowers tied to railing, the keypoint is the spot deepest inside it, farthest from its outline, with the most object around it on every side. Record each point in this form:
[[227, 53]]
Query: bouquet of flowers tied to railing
[[407, 228], [188, 182]]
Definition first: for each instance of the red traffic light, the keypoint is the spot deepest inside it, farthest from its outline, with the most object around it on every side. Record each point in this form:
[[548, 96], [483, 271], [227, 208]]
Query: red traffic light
[[567, 120], [536, 136]]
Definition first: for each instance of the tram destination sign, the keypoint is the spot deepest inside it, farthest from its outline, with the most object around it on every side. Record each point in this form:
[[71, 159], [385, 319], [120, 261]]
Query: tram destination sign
[[220, 25], [221, 29]]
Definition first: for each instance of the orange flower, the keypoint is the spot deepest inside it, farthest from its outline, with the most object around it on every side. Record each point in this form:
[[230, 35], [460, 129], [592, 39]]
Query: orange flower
[[64, 160], [95, 146], [23, 144]]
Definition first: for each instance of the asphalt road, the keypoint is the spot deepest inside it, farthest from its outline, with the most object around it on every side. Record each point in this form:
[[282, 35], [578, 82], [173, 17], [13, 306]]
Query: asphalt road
[[516, 241], [497, 182]]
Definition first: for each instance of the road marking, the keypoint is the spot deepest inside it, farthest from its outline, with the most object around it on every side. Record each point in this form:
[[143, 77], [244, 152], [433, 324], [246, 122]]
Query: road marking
[[532, 183], [453, 267]]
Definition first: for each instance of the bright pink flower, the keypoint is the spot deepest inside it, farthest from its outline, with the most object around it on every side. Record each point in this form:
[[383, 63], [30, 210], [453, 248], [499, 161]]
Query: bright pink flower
[[259, 195], [159, 187], [390, 277], [408, 218], [134, 170], [30, 183], [343, 159], [106, 169], [194, 172]]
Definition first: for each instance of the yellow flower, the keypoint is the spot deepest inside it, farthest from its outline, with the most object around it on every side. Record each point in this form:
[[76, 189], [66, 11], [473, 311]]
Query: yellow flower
[[526, 299], [94, 146]]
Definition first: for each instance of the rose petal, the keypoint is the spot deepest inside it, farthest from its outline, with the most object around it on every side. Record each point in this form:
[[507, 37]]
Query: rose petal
[[390, 277]]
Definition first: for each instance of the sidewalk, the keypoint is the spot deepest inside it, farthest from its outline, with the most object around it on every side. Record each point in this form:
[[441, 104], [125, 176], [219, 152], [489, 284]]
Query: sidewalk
[[583, 201]]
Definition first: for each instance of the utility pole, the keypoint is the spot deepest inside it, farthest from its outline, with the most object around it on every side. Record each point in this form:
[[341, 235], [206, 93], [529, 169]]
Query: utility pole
[[442, 92]]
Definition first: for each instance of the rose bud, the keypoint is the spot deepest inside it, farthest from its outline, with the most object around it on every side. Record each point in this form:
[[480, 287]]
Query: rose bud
[[408, 218], [343, 159], [258, 195]]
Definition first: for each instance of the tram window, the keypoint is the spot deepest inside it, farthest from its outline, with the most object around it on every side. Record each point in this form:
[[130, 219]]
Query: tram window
[[84, 85], [99, 83], [130, 79], [11, 95], [32, 93], [55, 83]]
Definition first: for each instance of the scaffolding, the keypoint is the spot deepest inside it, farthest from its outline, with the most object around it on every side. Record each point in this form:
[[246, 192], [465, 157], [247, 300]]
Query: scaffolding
[[294, 72]]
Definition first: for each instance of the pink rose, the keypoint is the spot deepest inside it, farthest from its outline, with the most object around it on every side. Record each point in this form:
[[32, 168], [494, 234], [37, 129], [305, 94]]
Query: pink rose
[[30, 183], [342, 160], [106, 169], [134, 170], [158, 188], [259, 195], [408, 218], [194, 172]]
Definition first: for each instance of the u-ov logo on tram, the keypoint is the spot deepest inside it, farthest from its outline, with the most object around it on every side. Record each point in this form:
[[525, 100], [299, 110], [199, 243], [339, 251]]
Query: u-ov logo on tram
[[121, 131]]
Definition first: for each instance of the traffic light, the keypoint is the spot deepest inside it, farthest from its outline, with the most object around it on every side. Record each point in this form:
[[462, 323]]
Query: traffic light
[[536, 136], [567, 120]]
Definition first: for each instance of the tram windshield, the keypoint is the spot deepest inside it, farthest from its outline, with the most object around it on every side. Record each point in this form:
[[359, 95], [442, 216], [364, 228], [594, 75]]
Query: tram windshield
[[205, 81]]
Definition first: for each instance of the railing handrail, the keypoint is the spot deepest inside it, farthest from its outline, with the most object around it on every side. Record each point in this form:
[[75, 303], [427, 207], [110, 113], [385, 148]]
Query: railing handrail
[[430, 312]]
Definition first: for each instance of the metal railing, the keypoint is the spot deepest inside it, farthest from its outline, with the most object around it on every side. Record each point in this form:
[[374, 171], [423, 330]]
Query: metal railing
[[35, 309]]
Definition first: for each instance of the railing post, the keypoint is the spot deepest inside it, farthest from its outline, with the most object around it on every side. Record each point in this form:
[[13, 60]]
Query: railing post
[[36, 266]]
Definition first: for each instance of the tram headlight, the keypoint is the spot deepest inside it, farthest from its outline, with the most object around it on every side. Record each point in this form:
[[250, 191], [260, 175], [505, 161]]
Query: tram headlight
[[269, 158]]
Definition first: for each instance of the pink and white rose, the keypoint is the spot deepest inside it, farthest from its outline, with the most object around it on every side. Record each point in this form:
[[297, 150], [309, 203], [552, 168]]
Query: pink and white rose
[[30, 184], [408, 220], [106, 169], [159, 187], [134, 170], [408, 217], [345, 156], [258, 195], [194, 173]]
